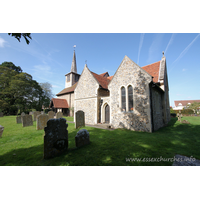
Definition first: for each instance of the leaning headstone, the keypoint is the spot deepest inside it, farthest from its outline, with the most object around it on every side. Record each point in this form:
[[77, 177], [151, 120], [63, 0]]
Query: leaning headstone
[[27, 120], [1, 130], [59, 115], [180, 160], [82, 138], [1, 114], [19, 119], [35, 114], [51, 114], [41, 121], [79, 119], [55, 138]]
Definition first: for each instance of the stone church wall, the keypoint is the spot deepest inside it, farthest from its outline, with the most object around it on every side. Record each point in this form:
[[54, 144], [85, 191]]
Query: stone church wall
[[86, 96], [127, 74]]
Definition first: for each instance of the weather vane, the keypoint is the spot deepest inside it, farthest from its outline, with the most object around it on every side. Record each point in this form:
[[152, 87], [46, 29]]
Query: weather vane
[[74, 47], [85, 61]]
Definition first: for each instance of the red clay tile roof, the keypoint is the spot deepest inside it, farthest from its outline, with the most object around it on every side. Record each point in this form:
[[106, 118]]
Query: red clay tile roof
[[103, 81], [104, 74], [67, 90], [153, 70], [185, 102], [60, 103], [110, 78]]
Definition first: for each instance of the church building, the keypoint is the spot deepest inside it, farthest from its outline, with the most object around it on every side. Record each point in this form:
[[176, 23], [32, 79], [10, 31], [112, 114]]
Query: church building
[[135, 98]]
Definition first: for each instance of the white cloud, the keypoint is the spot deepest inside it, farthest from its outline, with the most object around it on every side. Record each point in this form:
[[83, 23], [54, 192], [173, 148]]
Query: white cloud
[[186, 49], [184, 70], [55, 86], [170, 42], [2, 42], [43, 70], [140, 46]]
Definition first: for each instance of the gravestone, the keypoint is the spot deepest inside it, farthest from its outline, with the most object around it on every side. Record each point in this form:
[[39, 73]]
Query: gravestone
[[30, 113], [42, 112], [55, 138], [59, 115], [41, 121], [27, 120], [23, 114], [51, 114], [82, 138], [35, 114], [1, 114], [1, 130], [19, 119], [79, 119]]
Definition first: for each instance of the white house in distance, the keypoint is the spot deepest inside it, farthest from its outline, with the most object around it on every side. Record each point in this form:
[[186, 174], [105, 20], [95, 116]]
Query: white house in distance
[[180, 104]]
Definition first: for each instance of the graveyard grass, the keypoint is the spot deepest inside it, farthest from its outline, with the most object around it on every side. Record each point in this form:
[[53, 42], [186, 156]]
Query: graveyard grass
[[24, 146]]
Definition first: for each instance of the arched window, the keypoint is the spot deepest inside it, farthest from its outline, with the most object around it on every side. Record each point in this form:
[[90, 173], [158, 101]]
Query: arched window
[[130, 98], [123, 96]]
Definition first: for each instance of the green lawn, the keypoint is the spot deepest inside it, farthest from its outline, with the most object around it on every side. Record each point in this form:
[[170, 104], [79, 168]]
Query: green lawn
[[24, 146]]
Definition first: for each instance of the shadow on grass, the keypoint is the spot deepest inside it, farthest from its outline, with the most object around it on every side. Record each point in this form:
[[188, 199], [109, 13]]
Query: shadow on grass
[[112, 148]]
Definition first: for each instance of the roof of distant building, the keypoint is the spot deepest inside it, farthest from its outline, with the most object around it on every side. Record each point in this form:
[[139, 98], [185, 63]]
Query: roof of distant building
[[185, 102], [59, 103]]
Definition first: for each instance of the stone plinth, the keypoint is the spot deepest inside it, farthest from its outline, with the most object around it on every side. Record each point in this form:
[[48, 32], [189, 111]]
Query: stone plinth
[[79, 119], [1, 130], [51, 114], [41, 121], [55, 138], [27, 120], [82, 138]]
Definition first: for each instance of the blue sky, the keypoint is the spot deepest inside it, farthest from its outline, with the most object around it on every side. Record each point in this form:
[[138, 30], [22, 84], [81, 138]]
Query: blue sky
[[48, 57]]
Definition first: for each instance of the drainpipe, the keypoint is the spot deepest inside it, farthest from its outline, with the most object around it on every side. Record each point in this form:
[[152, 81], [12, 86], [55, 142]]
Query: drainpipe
[[101, 102]]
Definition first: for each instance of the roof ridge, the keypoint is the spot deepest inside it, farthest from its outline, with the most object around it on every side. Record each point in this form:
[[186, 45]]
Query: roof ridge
[[150, 64]]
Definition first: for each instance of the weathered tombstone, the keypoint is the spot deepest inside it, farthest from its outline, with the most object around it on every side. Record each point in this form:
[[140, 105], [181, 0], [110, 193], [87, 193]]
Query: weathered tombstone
[[41, 121], [82, 138], [42, 112], [59, 115], [55, 138], [23, 114], [27, 120], [19, 119], [30, 113], [79, 119], [1, 130], [1, 114], [35, 114], [51, 114]]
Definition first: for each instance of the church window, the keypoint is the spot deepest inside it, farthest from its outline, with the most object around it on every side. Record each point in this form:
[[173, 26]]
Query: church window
[[130, 98], [123, 98]]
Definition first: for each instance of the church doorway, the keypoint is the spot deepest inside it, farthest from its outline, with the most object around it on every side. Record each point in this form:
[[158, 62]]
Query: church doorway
[[107, 114]]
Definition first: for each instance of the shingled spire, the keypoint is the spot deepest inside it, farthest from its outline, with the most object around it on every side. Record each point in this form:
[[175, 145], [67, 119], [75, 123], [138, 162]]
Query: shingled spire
[[73, 67]]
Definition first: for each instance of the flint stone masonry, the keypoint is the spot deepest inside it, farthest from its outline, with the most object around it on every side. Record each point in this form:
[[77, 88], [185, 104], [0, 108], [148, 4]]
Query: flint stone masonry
[[127, 74], [51, 114], [181, 160], [80, 119], [27, 120], [1, 130], [1, 114], [59, 115], [41, 121], [82, 138], [35, 114], [55, 138], [19, 119]]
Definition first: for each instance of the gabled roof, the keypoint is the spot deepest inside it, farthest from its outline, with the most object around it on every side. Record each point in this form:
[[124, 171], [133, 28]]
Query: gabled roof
[[59, 103], [185, 102], [105, 74], [67, 90], [103, 81], [110, 78], [153, 70]]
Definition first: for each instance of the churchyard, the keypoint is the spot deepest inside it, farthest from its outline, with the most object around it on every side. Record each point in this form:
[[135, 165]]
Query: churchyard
[[24, 146]]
